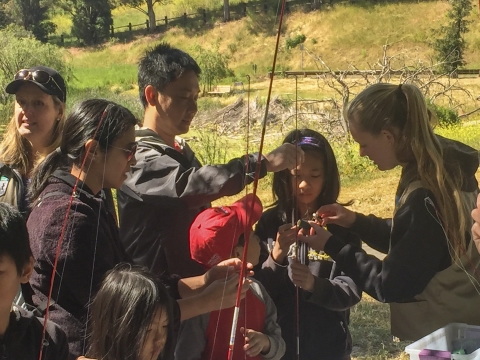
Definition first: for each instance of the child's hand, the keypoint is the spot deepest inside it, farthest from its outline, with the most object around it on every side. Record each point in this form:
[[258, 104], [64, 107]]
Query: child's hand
[[302, 277], [318, 237], [286, 156], [256, 342], [286, 236]]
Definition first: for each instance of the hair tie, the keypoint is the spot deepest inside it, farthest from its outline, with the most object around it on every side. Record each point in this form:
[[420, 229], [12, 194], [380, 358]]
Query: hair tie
[[59, 150]]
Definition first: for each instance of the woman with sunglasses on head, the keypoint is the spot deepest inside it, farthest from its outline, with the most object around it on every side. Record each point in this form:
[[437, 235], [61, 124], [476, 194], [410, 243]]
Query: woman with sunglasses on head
[[33, 132], [96, 151]]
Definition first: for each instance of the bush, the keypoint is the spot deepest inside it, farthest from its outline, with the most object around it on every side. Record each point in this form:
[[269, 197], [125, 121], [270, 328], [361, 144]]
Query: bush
[[291, 43], [446, 116]]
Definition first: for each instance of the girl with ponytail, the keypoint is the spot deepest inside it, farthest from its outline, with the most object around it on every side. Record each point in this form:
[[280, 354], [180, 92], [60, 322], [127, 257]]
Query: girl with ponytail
[[430, 275]]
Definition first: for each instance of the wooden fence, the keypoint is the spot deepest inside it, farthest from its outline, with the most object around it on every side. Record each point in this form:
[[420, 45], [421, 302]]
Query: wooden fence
[[202, 18]]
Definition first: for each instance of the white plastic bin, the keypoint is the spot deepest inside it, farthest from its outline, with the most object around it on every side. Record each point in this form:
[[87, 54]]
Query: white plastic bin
[[452, 337]]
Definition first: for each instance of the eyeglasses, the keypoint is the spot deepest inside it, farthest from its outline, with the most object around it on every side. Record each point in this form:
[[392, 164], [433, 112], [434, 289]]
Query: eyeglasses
[[39, 76], [130, 152]]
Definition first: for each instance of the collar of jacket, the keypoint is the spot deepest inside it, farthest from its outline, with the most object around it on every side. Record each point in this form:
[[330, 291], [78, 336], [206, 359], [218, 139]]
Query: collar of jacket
[[82, 188], [149, 136]]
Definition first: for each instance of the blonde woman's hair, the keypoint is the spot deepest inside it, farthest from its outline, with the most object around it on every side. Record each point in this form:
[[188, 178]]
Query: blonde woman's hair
[[402, 110], [16, 151]]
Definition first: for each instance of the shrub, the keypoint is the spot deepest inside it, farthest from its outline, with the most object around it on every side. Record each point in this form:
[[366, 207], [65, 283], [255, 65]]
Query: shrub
[[291, 43], [447, 117]]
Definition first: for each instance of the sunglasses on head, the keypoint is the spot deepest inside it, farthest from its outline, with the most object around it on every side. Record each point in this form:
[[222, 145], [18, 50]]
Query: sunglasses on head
[[39, 76], [130, 152]]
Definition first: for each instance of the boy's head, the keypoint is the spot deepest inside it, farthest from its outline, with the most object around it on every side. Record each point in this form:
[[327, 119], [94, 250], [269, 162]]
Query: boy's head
[[217, 233], [16, 260], [162, 65]]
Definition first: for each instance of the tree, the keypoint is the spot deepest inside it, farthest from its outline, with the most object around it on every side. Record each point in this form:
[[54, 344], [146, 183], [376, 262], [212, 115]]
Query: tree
[[226, 10], [138, 5], [32, 15], [450, 46], [214, 66], [91, 19]]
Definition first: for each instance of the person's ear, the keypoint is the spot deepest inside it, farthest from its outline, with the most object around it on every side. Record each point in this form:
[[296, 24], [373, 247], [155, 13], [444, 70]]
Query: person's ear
[[389, 136], [91, 149], [237, 252], [151, 95], [27, 271]]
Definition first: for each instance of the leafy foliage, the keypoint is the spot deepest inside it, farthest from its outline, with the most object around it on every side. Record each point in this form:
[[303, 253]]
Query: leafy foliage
[[91, 19], [31, 14], [140, 6], [447, 117], [214, 65], [291, 43], [450, 47]]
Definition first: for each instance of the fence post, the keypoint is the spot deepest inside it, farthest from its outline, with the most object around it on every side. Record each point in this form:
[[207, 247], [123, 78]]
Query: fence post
[[130, 27], [111, 30], [265, 7], [62, 39], [244, 9], [287, 7], [166, 22], [204, 14], [185, 19], [147, 24]]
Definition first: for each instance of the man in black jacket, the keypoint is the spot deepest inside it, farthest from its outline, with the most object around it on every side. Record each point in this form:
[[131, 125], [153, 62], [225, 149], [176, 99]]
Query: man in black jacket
[[171, 184]]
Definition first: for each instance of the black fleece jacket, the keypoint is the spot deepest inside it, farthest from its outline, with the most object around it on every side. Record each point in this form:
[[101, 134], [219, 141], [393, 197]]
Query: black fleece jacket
[[23, 337]]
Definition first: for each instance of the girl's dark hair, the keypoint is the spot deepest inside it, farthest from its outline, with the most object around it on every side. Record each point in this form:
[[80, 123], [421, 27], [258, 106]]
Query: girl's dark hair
[[122, 312], [80, 126], [282, 180]]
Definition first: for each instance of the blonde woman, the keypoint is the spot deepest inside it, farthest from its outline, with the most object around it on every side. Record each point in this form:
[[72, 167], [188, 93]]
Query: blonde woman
[[33, 132], [430, 275]]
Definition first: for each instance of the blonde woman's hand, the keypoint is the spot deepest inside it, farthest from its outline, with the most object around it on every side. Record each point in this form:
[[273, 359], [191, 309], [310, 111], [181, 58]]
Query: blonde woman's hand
[[336, 214], [476, 225], [317, 238]]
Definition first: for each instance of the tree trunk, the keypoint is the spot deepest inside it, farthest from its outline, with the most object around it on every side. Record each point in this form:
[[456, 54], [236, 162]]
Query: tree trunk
[[226, 10], [152, 22]]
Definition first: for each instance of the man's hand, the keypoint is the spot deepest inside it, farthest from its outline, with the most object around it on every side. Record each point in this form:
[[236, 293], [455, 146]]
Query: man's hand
[[224, 269], [286, 156]]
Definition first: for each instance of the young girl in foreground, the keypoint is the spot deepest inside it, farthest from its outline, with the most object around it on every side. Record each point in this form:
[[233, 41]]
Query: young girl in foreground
[[132, 317], [325, 295]]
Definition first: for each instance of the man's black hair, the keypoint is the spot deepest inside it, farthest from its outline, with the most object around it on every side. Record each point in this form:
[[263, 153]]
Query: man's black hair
[[161, 65], [14, 241]]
